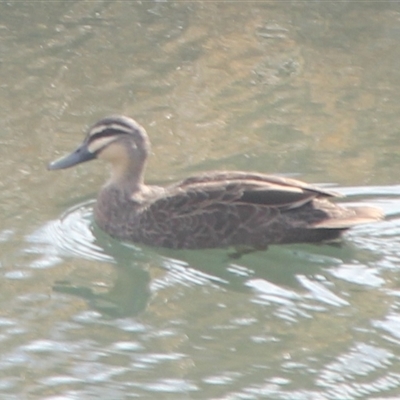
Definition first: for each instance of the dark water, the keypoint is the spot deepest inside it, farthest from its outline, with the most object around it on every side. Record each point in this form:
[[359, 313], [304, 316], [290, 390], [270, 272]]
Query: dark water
[[307, 89]]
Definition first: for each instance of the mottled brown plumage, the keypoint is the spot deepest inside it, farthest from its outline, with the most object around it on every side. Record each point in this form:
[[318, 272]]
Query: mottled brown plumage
[[215, 209]]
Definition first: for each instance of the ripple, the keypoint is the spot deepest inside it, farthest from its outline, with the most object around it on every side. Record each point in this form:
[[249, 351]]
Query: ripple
[[17, 274], [358, 274], [362, 360], [70, 236], [391, 325], [46, 346], [159, 358], [271, 292], [127, 346], [180, 272], [321, 293], [170, 386], [59, 380], [222, 379]]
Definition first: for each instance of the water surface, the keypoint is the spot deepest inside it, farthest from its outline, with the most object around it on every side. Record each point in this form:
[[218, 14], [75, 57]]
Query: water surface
[[306, 89]]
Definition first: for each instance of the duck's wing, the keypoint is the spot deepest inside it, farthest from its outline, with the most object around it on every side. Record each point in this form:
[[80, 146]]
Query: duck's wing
[[246, 188], [224, 177], [238, 208]]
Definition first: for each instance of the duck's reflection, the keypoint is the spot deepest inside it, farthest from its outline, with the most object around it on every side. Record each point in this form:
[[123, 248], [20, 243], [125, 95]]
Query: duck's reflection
[[128, 296], [132, 289]]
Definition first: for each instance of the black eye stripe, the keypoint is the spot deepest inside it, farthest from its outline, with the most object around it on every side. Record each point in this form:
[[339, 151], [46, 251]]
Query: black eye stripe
[[107, 133]]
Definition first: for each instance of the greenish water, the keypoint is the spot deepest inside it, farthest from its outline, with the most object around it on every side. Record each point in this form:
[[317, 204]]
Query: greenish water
[[309, 89]]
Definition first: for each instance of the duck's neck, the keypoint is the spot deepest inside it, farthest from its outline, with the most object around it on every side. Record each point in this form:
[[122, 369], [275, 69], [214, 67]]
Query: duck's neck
[[117, 201], [128, 177], [127, 165]]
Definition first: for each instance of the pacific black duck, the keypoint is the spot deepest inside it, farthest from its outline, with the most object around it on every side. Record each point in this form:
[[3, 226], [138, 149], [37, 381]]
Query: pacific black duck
[[215, 209]]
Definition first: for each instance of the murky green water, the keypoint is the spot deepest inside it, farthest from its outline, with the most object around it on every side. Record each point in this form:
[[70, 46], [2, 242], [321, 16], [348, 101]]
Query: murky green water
[[309, 89]]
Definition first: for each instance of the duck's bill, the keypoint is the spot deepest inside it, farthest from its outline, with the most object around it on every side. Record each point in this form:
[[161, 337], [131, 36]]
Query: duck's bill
[[80, 155]]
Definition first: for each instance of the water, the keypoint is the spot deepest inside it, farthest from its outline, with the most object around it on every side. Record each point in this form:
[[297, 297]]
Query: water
[[307, 89]]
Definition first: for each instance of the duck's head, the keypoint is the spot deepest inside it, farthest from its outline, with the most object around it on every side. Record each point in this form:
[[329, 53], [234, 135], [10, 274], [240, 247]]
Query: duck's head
[[117, 139]]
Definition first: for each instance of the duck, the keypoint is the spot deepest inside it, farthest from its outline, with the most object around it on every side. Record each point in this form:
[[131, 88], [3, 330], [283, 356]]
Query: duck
[[214, 209]]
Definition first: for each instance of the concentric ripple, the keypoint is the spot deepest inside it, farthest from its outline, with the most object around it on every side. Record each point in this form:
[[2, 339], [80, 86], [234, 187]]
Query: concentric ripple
[[70, 235]]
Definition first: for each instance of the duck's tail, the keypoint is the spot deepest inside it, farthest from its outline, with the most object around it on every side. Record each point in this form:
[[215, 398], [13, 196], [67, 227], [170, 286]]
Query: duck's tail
[[358, 215]]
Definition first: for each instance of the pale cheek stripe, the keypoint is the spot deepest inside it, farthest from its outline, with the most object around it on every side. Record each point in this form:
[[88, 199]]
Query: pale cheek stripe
[[98, 144]]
